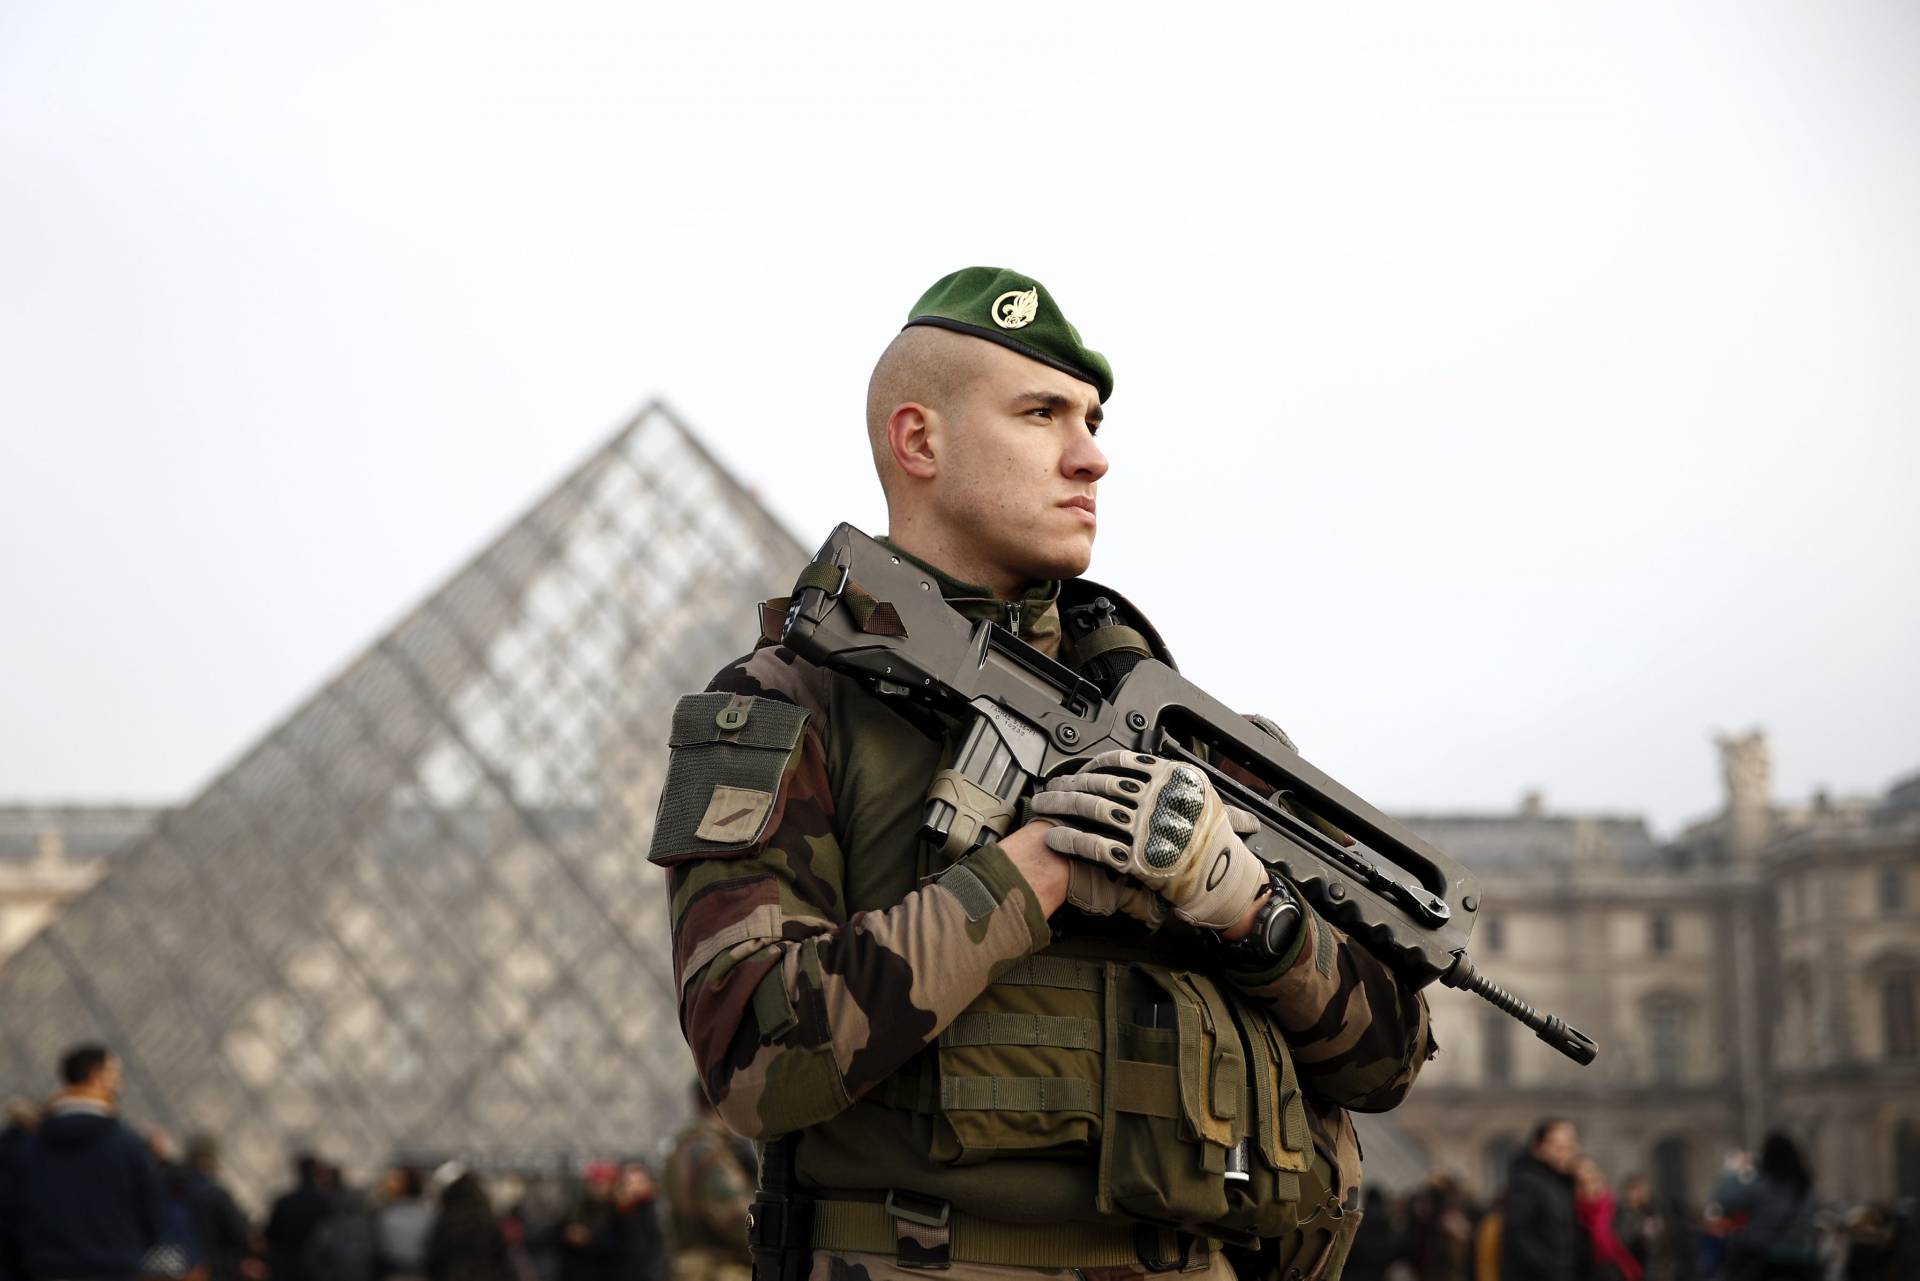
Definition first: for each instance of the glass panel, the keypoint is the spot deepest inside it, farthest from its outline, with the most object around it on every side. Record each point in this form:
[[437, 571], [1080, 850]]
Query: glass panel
[[417, 916]]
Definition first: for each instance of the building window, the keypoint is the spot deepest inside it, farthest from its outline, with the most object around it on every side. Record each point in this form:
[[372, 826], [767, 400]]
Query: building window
[[1897, 1017], [1497, 1044], [1659, 934], [1893, 891], [1666, 1040], [1493, 934]]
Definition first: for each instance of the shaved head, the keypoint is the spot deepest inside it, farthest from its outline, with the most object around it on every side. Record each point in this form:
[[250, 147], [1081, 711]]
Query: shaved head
[[986, 457], [925, 365]]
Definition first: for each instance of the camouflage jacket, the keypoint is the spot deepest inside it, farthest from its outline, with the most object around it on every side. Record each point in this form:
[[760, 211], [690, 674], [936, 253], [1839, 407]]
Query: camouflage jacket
[[708, 1190], [796, 1007]]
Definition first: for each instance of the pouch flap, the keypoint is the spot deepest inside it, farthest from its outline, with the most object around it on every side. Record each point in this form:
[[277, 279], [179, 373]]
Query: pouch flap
[[740, 719], [1227, 1069], [1198, 1044], [1296, 1142]]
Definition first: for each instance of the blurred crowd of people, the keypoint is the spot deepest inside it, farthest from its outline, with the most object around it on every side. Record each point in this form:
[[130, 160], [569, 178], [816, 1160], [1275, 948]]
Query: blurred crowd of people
[[1559, 1218], [84, 1195]]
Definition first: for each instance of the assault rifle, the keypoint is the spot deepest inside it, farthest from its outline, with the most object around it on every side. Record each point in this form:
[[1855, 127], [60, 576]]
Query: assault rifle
[[862, 610]]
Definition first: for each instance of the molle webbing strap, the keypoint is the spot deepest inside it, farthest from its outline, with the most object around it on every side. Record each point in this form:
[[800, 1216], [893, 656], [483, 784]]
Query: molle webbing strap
[[914, 1089], [1053, 1031], [1066, 972], [1017, 1094], [864, 1227]]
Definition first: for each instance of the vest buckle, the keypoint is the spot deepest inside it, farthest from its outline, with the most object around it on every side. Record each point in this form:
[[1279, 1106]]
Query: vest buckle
[[922, 1236]]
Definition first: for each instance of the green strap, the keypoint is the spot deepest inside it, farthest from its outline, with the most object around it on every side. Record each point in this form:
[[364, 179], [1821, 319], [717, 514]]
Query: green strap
[[823, 574], [1067, 972], [863, 1227], [869, 615], [1017, 1094], [1148, 1089], [1105, 640], [1055, 1031]]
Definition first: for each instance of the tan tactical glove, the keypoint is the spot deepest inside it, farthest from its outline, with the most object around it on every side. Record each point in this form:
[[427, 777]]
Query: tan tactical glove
[[1161, 823], [1100, 891]]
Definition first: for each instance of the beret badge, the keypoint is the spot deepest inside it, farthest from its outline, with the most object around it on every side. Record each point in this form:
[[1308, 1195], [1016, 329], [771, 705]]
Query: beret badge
[[1016, 308]]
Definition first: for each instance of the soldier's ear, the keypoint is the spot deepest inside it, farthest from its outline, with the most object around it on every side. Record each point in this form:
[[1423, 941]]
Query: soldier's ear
[[912, 430]]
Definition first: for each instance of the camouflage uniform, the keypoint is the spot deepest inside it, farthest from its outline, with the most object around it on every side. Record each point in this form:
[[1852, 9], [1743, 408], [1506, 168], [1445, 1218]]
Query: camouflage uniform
[[819, 962], [708, 1195]]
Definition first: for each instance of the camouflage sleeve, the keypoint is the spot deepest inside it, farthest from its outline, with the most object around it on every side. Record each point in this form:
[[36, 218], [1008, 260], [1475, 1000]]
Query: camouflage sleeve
[[792, 1006], [1358, 1033]]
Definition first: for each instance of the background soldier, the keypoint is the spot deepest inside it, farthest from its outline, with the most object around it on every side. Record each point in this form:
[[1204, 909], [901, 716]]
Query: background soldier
[[1014, 1057], [708, 1193]]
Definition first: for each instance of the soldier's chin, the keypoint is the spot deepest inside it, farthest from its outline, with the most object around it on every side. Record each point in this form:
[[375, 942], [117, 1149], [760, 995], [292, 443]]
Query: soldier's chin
[[1063, 559]]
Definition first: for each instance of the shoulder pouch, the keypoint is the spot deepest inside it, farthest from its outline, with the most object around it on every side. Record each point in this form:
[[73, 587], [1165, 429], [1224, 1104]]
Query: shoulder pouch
[[722, 794]]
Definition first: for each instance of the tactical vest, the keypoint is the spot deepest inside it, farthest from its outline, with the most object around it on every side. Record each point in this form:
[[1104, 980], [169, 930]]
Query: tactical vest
[[1114, 1078]]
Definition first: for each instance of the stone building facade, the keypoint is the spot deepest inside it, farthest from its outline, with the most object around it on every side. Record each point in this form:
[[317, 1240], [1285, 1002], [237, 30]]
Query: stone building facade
[[50, 854], [1760, 971]]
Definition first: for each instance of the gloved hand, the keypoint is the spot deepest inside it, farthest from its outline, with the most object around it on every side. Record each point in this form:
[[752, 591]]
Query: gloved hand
[[1101, 891], [1161, 823]]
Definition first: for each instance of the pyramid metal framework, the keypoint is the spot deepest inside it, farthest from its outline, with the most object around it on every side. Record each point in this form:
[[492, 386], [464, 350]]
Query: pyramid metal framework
[[417, 915]]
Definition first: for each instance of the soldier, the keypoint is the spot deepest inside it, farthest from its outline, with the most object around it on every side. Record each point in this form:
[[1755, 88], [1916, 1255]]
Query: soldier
[[1018, 1060], [708, 1192]]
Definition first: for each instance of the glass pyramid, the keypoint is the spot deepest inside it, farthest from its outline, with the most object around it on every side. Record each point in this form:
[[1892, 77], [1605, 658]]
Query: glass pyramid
[[416, 917]]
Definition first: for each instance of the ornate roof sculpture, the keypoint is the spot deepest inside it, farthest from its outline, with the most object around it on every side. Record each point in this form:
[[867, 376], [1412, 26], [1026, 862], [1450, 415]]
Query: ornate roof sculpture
[[416, 916]]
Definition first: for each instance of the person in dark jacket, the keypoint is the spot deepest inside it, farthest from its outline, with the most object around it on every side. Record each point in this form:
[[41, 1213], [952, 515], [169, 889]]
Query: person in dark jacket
[[295, 1217], [1540, 1239], [225, 1239], [1439, 1233], [466, 1243], [639, 1246], [345, 1244], [1375, 1243], [85, 1198], [586, 1239], [23, 1119], [1773, 1208], [178, 1252]]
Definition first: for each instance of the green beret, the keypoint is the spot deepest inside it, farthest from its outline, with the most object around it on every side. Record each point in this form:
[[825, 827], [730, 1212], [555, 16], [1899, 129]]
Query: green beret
[[1017, 312]]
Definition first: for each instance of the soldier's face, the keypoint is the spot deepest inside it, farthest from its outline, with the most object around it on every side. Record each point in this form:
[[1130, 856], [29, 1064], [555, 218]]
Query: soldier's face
[[1019, 466]]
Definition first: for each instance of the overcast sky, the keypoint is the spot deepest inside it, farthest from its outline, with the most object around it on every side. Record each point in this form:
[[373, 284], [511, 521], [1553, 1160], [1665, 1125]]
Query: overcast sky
[[1507, 396]]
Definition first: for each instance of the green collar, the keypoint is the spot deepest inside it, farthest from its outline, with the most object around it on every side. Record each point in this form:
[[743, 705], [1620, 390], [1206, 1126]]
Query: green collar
[[1032, 615]]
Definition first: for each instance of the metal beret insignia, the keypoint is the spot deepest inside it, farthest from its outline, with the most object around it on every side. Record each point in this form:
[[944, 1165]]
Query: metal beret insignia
[[1016, 308]]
